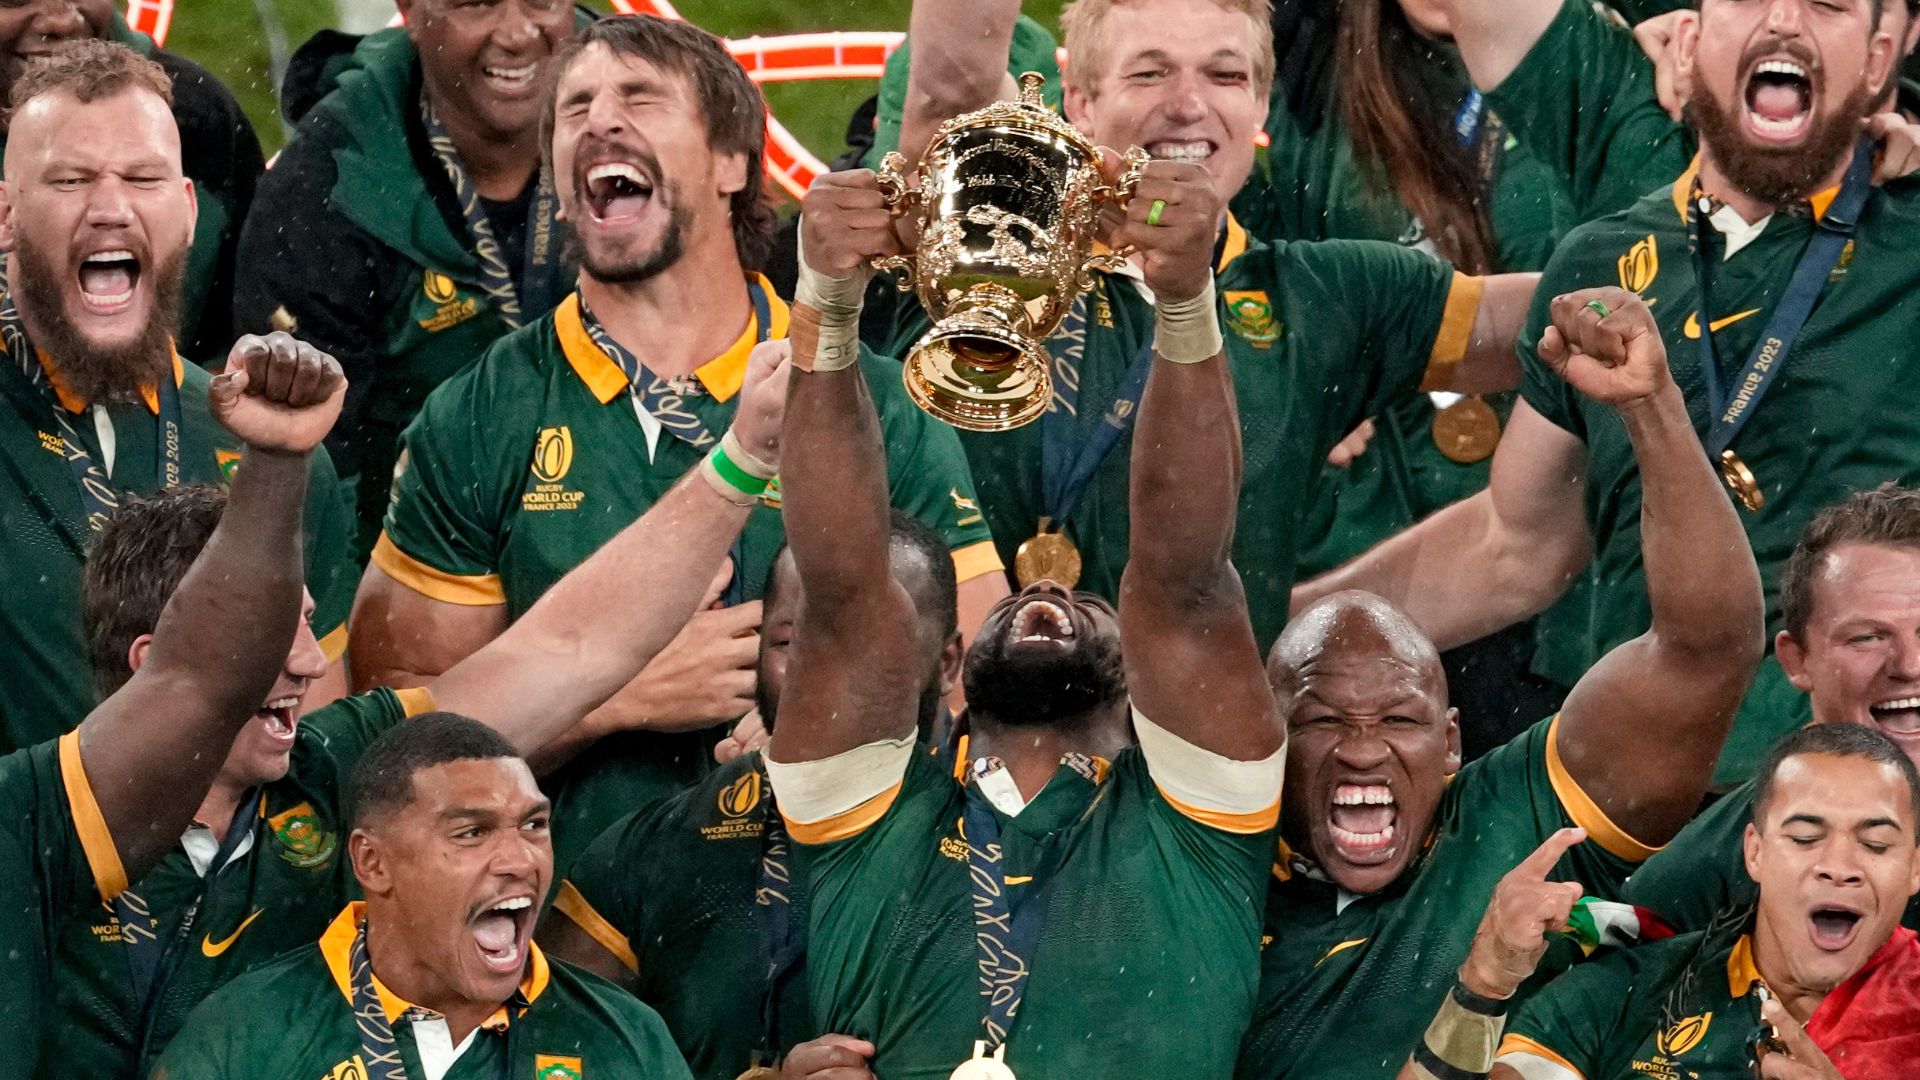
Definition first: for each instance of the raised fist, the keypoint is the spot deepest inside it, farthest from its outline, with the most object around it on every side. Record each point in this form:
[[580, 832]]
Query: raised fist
[[278, 393], [1605, 343], [1525, 908], [763, 400], [844, 221], [1173, 220]]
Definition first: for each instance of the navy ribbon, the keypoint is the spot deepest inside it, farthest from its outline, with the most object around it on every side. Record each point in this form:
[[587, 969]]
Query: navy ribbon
[[1790, 314], [1068, 462], [379, 1051], [773, 915], [145, 955], [540, 285]]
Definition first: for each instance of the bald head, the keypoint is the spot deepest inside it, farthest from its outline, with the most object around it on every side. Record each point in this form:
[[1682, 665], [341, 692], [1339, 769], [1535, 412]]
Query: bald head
[[1350, 627]]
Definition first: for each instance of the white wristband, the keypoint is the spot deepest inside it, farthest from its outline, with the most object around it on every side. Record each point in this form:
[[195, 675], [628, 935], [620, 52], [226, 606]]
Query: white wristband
[[746, 459], [838, 301], [1188, 331]]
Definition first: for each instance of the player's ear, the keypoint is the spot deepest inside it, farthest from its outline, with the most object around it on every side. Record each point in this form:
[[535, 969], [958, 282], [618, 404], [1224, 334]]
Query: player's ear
[[1793, 660], [951, 658], [1686, 44], [7, 223], [1750, 851], [369, 863], [137, 652], [1453, 741]]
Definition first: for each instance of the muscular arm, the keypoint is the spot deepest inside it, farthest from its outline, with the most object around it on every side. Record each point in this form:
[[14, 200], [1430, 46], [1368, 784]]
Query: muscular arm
[[1678, 685], [1491, 365], [402, 638], [1495, 35], [958, 63], [1491, 560]]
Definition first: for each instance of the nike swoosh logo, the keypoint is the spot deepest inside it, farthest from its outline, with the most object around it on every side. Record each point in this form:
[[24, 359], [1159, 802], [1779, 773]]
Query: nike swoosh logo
[[211, 948], [1012, 880], [1692, 329]]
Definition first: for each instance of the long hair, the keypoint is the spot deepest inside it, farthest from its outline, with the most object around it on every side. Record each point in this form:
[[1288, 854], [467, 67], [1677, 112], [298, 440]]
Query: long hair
[[1396, 106]]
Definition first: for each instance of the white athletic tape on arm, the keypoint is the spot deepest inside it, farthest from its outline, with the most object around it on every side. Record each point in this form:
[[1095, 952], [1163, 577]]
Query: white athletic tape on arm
[[811, 791], [1188, 331], [838, 300], [1198, 778]]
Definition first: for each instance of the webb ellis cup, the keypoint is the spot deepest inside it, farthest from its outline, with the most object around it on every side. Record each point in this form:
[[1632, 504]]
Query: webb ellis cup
[[1006, 209]]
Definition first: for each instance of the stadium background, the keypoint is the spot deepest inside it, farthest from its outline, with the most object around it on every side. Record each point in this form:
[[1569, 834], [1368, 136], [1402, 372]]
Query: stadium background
[[243, 42]]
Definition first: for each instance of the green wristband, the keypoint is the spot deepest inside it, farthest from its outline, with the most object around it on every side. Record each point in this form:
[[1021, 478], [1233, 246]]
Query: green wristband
[[736, 477]]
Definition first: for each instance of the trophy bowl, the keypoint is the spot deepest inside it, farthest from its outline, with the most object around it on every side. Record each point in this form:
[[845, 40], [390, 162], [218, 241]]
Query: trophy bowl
[[1006, 209]]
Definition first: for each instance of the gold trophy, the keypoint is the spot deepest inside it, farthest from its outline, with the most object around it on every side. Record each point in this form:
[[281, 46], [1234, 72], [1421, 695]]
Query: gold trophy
[[1006, 208]]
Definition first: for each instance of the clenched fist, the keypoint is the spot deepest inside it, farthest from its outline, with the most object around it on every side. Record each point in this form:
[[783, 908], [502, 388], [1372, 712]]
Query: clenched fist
[[1172, 220], [763, 400], [844, 221], [278, 393], [1617, 357], [1525, 908]]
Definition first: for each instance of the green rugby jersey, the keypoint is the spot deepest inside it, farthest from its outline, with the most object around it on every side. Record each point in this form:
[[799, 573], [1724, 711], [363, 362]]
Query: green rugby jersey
[[55, 854], [530, 459], [672, 891], [276, 894], [1349, 983], [1146, 965], [1815, 438], [1582, 102], [294, 1019], [1319, 336], [1703, 870], [46, 684], [1612, 1019]]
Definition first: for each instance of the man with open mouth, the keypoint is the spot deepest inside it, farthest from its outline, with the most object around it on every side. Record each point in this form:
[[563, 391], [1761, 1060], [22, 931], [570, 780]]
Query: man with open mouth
[[95, 403], [678, 902], [435, 976], [568, 429], [406, 226], [1052, 900], [263, 868], [1390, 850], [1319, 336], [1778, 263], [1850, 622], [1813, 981]]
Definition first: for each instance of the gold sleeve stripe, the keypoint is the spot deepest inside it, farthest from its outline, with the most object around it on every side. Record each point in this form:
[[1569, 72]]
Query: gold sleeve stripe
[[570, 903], [96, 840], [334, 643], [1456, 331], [1520, 1044], [467, 590], [1584, 811], [415, 700], [1241, 824], [976, 560], [847, 825]]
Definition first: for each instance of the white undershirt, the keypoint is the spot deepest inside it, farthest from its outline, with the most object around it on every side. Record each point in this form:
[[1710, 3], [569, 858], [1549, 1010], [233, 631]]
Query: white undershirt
[[202, 848], [1736, 230], [435, 1045], [648, 425], [103, 427]]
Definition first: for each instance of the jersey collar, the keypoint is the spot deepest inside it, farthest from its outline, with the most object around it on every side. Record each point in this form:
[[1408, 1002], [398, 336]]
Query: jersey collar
[[1683, 192], [1741, 972], [721, 376], [71, 401], [336, 946]]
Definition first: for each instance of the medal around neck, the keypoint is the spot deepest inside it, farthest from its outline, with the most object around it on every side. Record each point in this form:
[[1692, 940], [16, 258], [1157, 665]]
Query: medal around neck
[[1006, 207], [1467, 431], [983, 1067], [1047, 556], [1741, 481]]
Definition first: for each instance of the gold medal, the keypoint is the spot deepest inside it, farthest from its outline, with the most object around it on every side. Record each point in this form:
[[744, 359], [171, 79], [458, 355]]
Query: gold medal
[[1047, 556], [982, 1067], [1467, 431], [1741, 481], [760, 1072]]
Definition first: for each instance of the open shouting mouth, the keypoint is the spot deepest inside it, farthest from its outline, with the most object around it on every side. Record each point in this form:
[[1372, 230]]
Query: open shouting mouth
[[108, 280], [500, 932], [618, 192], [1362, 822], [1779, 96], [1833, 926]]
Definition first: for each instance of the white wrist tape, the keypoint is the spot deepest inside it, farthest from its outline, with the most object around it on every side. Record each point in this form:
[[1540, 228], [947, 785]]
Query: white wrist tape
[[749, 464], [1188, 331], [838, 300]]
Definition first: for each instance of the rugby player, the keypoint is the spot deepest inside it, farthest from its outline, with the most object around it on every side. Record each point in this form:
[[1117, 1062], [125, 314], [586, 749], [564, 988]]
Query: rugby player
[[678, 901], [1318, 336], [1815, 981], [436, 974], [96, 218], [262, 870], [527, 461], [89, 811], [1388, 856], [1780, 89], [1116, 887]]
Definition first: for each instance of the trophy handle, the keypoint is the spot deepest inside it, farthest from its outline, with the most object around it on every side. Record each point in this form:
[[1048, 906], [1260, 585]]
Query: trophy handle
[[900, 199], [1120, 194]]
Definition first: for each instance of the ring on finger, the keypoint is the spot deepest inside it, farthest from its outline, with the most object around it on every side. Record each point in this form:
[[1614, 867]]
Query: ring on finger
[[1599, 308], [1154, 211]]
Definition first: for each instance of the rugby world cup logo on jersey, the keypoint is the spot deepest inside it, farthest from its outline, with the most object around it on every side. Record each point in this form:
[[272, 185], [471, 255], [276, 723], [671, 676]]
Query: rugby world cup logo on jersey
[[737, 803], [449, 308], [552, 460], [1683, 1035], [1640, 265]]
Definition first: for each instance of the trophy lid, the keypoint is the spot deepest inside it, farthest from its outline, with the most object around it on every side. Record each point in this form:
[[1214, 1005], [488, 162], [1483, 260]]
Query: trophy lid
[[1028, 111]]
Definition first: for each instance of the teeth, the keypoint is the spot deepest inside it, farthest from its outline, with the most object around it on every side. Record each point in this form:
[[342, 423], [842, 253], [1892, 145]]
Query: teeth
[[1358, 795], [1055, 615], [518, 74], [1349, 838], [518, 903], [1900, 703], [1198, 150], [1781, 67], [616, 170], [1778, 127], [116, 255]]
